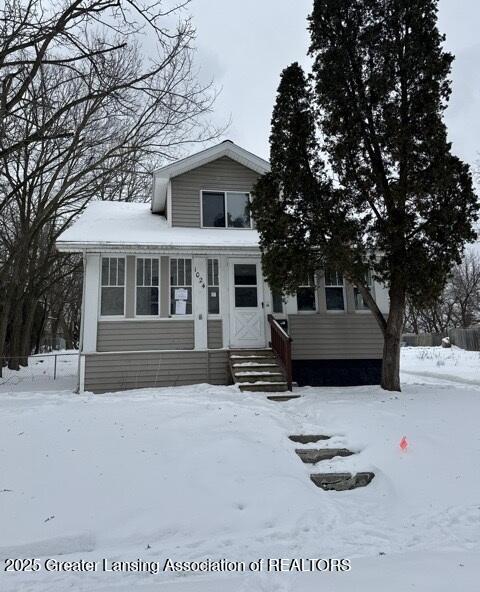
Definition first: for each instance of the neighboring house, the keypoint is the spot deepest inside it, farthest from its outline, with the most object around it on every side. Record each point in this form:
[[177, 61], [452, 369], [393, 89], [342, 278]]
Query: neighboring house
[[172, 287]]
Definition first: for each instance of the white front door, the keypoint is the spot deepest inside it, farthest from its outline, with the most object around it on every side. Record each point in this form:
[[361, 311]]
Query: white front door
[[247, 323]]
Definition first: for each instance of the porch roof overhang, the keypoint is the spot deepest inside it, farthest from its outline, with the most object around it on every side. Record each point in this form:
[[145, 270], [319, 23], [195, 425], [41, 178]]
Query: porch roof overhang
[[132, 227]]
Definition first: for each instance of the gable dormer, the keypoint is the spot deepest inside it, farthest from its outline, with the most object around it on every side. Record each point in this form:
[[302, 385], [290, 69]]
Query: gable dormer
[[210, 184]]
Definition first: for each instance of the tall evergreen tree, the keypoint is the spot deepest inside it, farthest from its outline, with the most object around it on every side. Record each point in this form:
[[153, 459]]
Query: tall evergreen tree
[[390, 195]]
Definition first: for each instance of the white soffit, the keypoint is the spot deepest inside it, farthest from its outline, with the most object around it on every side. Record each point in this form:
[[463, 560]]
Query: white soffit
[[161, 177]]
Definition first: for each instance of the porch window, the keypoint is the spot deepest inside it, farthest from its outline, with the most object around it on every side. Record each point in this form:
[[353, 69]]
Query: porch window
[[226, 209], [113, 287], [180, 287], [213, 287], [306, 297], [334, 290], [360, 303], [277, 303], [147, 287]]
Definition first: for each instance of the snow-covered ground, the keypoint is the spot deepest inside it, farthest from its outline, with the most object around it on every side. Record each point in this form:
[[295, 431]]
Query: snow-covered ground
[[43, 373], [436, 362], [207, 472]]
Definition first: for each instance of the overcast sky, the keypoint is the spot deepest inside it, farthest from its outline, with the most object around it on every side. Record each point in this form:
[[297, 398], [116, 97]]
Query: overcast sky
[[244, 45]]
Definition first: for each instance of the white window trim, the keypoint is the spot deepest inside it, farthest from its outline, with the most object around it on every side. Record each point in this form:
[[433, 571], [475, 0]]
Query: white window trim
[[187, 317], [344, 290], [140, 316], [224, 191], [215, 316], [100, 286]]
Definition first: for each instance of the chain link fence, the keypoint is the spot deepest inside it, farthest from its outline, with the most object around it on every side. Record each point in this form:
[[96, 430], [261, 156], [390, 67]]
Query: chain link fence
[[52, 371]]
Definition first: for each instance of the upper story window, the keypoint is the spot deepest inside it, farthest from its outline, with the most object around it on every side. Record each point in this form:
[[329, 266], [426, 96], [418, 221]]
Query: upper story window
[[226, 209], [213, 287], [147, 287], [180, 287], [306, 297], [113, 287], [360, 303], [334, 290]]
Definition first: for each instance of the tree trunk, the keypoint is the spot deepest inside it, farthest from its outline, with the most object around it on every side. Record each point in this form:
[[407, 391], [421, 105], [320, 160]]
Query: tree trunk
[[392, 341], [26, 341]]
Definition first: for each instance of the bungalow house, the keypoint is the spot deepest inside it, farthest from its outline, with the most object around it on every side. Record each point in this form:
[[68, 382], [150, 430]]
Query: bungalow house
[[174, 293]]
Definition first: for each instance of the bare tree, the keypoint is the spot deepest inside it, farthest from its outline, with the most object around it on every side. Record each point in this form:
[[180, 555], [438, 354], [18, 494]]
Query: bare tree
[[91, 125], [458, 306]]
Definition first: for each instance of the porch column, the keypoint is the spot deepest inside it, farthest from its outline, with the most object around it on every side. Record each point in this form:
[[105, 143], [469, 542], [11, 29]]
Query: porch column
[[90, 313], [200, 310]]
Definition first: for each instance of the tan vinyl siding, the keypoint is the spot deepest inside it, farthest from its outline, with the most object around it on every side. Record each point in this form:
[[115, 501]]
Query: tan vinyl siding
[[121, 371], [335, 337], [223, 174], [144, 335], [215, 334]]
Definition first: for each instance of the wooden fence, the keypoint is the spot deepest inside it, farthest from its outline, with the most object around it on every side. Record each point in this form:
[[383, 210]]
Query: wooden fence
[[466, 338], [422, 340]]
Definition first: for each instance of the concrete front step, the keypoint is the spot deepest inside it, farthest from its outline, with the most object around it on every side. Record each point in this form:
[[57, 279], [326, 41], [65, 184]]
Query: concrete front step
[[263, 387], [341, 481], [306, 439], [313, 456]]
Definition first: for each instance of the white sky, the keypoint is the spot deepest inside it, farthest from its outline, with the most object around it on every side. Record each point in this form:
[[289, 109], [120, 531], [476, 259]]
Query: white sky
[[245, 44]]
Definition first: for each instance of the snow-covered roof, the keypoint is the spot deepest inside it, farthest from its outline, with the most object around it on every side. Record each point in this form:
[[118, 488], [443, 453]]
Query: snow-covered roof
[[107, 225], [161, 177]]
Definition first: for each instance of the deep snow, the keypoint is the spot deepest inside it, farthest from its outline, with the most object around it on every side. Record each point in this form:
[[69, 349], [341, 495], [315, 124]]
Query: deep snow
[[190, 473]]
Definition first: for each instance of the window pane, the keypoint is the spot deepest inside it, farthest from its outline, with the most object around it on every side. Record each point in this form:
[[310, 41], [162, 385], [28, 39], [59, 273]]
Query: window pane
[[334, 297], [181, 271], [210, 272], [213, 209], [246, 297], [155, 281], [148, 272], [173, 303], [213, 272], [147, 301], [112, 301], [238, 210], [245, 274], [188, 272], [213, 301], [105, 275], [121, 272], [112, 280], [173, 272], [306, 299], [139, 272], [277, 302], [333, 278]]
